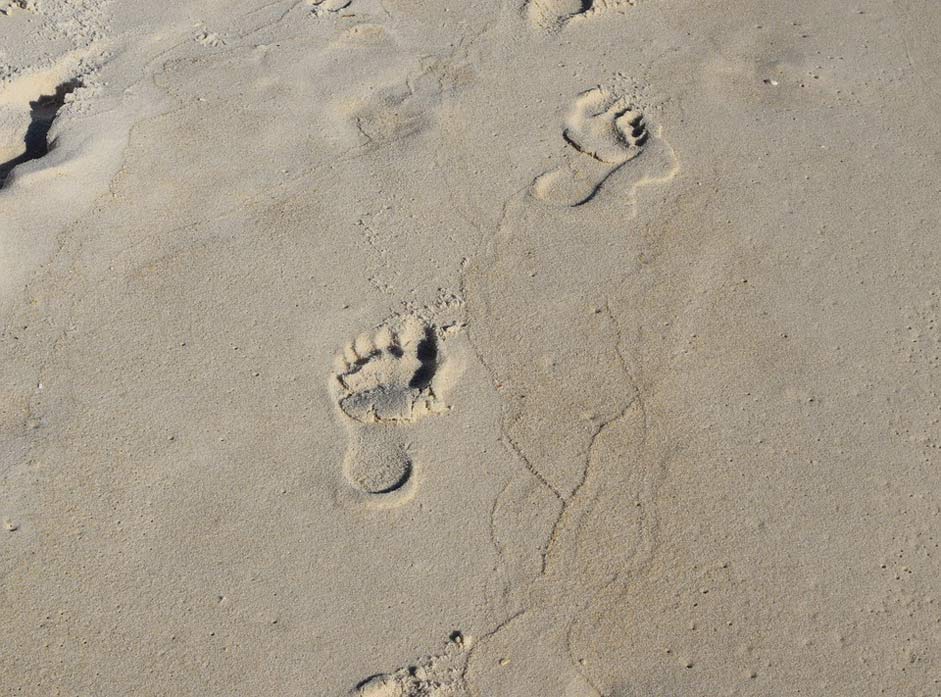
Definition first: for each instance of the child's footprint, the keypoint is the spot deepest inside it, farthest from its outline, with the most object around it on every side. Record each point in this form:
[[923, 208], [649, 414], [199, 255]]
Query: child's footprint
[[603, 133], [385, 380]]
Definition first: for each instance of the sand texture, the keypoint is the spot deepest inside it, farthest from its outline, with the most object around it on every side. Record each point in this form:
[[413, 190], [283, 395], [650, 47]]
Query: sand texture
[[538, 348]]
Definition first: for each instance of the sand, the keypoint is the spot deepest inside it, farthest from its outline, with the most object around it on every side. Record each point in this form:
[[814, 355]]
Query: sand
[[546, 348]]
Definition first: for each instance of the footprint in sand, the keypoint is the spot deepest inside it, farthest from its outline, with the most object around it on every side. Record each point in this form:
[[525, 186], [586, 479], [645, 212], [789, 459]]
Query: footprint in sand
[[384, 381], [324, 8], [431, 676], [553, 15], [603, 132]]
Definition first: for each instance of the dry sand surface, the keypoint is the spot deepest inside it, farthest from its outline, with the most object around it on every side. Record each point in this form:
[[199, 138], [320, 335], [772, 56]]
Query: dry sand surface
[[537, 348]]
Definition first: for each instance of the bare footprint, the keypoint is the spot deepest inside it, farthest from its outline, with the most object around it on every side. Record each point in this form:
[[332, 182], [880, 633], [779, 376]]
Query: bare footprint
[[431, 676], [553, 15], [384, 381], [604, 133]]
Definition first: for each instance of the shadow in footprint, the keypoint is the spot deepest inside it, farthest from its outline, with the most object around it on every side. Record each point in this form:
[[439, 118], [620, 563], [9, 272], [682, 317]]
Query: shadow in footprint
[[42, 112], [427, 354]]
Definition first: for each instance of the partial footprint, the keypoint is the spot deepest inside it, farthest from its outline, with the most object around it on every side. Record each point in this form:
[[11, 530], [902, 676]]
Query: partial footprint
[[322, 8], [210, 39], [431, 676], [11, 6], [385, 380], [553, 15], [604, 133]]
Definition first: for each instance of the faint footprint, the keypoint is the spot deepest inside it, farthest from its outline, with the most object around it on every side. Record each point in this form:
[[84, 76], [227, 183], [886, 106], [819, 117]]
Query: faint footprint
[[211, 39], [553, 15], [385, 380], [604, 132]]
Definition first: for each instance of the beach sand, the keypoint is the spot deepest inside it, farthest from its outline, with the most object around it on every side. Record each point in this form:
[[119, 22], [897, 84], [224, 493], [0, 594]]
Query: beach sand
[[545, 348]]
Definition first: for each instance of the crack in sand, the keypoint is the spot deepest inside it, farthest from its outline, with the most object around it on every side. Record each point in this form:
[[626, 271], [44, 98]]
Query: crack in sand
[[576, 507]]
